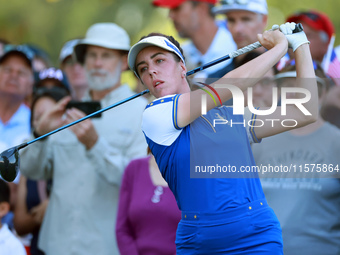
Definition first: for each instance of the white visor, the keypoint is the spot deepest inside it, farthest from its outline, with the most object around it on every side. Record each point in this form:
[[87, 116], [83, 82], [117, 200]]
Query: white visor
[[159, 41]]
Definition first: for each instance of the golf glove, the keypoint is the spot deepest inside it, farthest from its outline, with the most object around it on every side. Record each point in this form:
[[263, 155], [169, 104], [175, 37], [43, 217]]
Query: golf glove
[[294, 40]]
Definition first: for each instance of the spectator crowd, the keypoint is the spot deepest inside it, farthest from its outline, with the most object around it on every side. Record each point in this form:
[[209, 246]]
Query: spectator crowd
[[97, 188]]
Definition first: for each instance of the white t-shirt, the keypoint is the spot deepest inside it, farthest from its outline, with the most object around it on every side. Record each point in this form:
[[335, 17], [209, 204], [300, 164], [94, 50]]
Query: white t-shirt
[[9, 244]]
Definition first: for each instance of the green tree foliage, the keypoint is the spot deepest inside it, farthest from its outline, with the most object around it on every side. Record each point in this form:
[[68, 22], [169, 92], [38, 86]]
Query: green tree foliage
[[49, 23]]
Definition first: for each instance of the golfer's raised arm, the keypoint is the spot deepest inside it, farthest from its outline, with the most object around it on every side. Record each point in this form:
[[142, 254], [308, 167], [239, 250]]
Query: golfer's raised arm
[[242, 77], [302, 110]]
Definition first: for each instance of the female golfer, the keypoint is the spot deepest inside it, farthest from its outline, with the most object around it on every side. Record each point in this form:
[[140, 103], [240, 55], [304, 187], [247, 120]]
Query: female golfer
[[223, 206]]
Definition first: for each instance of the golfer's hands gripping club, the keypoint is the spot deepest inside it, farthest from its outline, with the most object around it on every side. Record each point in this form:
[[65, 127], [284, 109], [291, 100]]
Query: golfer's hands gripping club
[[271, 38], [295, 40], [257, 44]]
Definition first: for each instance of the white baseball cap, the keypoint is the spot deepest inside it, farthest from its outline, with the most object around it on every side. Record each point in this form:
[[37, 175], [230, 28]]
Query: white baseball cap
[[159, 41], [257, 6], [106, 35], [67, 49]]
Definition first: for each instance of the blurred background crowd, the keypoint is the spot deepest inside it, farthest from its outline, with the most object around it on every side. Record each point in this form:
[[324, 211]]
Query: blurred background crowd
[[95, 188]]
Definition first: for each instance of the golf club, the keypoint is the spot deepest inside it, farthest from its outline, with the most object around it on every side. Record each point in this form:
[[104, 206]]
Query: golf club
[[10, 161], [238, 52]]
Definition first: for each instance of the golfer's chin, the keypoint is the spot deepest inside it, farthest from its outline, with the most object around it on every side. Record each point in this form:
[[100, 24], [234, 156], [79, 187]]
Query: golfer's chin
[[161, 92]]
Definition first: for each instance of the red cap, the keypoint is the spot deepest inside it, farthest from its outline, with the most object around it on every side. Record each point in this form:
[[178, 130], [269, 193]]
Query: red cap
[[315, 20], [175, 3]]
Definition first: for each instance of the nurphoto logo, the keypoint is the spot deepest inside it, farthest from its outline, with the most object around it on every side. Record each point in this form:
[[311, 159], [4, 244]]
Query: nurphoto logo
[[238, 105]]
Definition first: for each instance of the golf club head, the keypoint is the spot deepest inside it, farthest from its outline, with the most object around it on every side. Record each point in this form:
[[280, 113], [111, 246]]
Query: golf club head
[[9, 164]]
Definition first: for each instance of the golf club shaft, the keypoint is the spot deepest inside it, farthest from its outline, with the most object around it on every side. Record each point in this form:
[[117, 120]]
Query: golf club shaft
[[236, 53], [224, 58], [129, 98], [84, 118]]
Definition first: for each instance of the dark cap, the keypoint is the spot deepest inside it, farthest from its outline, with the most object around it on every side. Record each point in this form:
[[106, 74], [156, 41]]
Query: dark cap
[[20, 50], [51, 74]]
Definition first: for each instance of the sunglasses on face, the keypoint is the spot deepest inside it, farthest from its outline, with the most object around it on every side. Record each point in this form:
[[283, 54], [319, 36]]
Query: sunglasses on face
[[230, 2], [309, 15], [40, 91]]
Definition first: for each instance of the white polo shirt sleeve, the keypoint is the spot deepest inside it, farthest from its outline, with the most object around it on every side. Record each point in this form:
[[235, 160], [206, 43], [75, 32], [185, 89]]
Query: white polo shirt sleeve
[[160, 120]]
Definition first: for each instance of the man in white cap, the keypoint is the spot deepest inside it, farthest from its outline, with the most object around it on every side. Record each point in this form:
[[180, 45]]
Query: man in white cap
[[246, 19], [74, 71], [86, 161]]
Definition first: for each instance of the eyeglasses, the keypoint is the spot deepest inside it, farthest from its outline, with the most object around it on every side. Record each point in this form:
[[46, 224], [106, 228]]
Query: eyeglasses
[[20, 48], [230, 2]]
